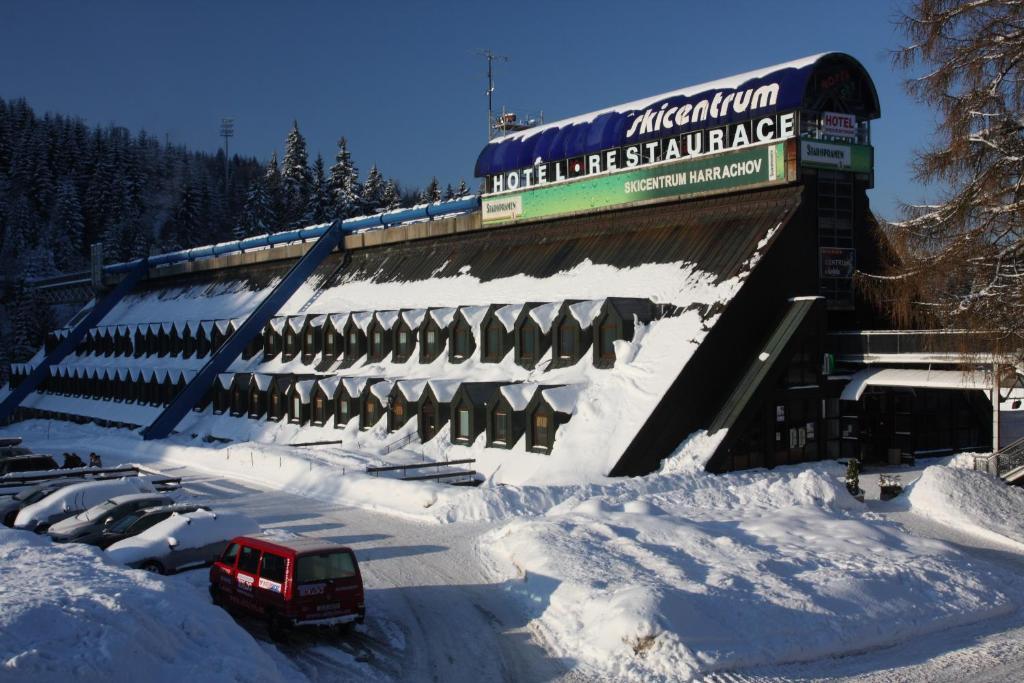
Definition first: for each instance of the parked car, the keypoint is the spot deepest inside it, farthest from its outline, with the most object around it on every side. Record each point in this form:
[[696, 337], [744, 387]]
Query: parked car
[[136, 522], [290, 582], [70, 500], [10, 506], [182, 541], [35, 462], [11, 451], [7, 441], [86, 526]]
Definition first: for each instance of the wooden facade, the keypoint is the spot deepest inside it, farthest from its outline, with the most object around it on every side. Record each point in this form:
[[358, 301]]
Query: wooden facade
[[531, 342], [495, 339], [570, 339], [542, 421], [371, 408], [433, 338], [505, 424]]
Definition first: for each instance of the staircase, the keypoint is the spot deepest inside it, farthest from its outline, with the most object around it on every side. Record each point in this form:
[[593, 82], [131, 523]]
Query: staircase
[[1006, 463], [233, 346]]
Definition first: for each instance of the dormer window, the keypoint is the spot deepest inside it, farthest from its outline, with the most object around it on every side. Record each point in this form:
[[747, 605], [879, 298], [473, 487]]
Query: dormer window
[[462, 340], [403, 343], [527, 342], [606, 341], [492, 341], [540, 431], [501, 426], [566, 341], [377, 344], [329, 344], [432, 341], [462, 425], [353, 339]]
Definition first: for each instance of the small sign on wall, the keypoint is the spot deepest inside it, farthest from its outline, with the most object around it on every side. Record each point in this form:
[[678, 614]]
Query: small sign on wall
[[837, 262]]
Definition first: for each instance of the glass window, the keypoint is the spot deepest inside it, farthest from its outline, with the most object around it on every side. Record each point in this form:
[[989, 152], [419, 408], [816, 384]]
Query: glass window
[[272, 567], [319, 405], [566, 341], [527, 343], [309, 338], [493, 341], [403, 342], [297, 406], [378, 342], [249, 560], [501, 426], [399, 409], [540, 431], [325, 567], [463, 424], [353, 339], [329, 343], [431, 341], [343, 409], [230, 553], [608, 337], [148, 521]]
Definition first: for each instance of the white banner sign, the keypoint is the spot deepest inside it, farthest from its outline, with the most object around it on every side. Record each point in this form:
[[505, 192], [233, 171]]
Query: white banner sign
[[839, 125], [825, 154]]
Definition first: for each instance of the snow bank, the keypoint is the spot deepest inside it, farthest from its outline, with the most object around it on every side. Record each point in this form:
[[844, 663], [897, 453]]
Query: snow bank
[[969, 500], [65, 615], [703, 573]]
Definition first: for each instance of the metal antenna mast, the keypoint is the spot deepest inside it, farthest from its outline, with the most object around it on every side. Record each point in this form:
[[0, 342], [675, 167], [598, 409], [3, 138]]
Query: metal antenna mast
[[490, 87], [227, 130]]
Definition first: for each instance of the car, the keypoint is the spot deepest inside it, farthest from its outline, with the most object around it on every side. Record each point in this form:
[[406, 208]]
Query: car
[[11, 451], [88, 525], [291, 582], [8, 441], [70, 500], [135, 523], [9, 507], [182, 541], [35, 462]]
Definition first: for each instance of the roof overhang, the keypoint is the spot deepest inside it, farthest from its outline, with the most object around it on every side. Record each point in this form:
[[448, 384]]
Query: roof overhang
[[922, 379]]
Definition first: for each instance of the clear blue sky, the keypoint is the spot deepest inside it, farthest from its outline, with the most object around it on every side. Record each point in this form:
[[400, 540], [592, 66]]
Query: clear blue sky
[[401, 79]]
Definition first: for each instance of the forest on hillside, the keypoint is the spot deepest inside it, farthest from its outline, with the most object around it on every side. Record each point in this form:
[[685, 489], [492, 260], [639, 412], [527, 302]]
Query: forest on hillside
[[65, 185]]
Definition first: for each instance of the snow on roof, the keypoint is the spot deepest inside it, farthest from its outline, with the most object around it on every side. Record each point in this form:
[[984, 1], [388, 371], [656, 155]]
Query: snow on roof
[[586, 311], [474, 315], [362, 319], [133, 373], [330, 385], [161, 374], [444, 389], [167, 328], [146, 374], [382, 389], [122, 373], [338, 320], [121, 329], [318, 320], [277, 324], [154, 328], [225, 379], [353, 385], [387, 319], [412, 389], [189, 375], [413, 317], [304, 388], [442, 316], [54, 371], [207, 327], [192, 327], [545, 314], [899, 377], [174, 374], [563, 399], [296, 323], [224, 326], [519, 394], [262, 381]]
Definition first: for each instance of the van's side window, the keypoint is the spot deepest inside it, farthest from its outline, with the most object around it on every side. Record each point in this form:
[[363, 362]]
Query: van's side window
[[272, 568], [249, 560], [230, 553]]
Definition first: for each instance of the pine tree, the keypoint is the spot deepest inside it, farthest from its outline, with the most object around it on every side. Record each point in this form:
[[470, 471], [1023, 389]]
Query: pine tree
[[318, 210], [433, 192], [186, 218], [296, 179], [391, 197], [449, 193], [68, 227], [462, 190], [258, 215], [272, 184], [344, 183], [372, 197]]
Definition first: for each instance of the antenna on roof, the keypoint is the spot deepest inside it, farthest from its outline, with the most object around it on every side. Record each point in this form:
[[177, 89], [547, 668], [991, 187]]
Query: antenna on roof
[[490, 86]]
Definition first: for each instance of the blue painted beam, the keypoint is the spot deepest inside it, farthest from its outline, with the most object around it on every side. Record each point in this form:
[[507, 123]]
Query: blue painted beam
[[65, 347], [233, 346]]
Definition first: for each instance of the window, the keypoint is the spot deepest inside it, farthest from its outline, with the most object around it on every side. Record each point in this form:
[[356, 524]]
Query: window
[[492, 341], [325, 567], [272, 567], [230, 553], [462, 335], [527, 342], [431, 341], [399, 409], [462, 424], [329, 344], [371, 410], [566, 341], [275, 404], [343, 409], [608, 335], [249, 560], [309, 339], [353, 340], [297, 406], [378, 343], [501, 426], [319, 406], [540, 431], [403, 342]]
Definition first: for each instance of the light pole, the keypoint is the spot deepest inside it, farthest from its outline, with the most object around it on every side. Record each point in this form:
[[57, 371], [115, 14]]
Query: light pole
[[227, 130]]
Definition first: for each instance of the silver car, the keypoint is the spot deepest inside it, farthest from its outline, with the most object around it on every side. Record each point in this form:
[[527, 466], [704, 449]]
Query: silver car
[[87, 526], [9, 507]]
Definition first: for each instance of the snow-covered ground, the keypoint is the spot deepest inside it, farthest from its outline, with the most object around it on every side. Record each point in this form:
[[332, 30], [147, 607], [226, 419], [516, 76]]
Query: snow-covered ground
[[767, 574]]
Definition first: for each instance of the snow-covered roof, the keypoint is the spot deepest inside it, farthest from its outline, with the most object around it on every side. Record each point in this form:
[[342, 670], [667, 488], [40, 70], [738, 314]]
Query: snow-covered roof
[[224, 326], [563, 399], [507, 315], [473, 315], [544, 315], [899, 377], [387, 319], [382, 389], [586, 311], [413, 317], [225, 379], [442, 316], [161, 374], [304, 389], [296, 323], [262, 381], [444, 389], [362, 319], [277, 324], [412, 389], [167, 328], [354, 385], [207, 327], [338, 320], [318, 320], [518, 395], [330, 385]]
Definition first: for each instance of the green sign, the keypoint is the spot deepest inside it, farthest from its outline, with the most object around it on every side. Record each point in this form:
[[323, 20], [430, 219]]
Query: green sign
[[836, 155], [743, 168]]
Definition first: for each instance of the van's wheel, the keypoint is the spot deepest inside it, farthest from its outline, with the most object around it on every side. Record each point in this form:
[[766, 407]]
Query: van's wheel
[[346, 630], [153, 567], [215, 595], [277, 628]]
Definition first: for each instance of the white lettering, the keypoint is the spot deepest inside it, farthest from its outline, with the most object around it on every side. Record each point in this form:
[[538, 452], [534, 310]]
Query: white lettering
[[632, 156]]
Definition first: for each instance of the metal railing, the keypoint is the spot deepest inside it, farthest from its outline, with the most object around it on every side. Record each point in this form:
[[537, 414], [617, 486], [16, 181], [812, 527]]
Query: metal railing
[[1003, 461]]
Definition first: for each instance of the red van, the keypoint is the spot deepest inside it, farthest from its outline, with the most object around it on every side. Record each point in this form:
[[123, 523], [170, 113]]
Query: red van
[[291, 581]]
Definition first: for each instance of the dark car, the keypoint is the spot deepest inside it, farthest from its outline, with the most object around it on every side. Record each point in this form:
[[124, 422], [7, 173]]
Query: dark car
[[27, 463], [137, 522], [11, 451], [290, 582], [90, 523]]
